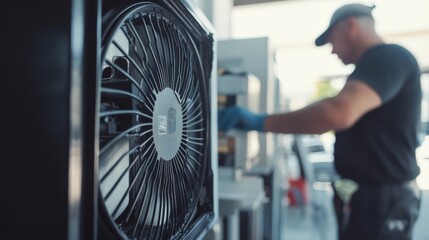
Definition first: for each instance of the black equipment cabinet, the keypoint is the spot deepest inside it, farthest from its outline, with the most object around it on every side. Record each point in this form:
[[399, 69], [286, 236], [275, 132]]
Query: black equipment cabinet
[[49, 68], [50, 100]]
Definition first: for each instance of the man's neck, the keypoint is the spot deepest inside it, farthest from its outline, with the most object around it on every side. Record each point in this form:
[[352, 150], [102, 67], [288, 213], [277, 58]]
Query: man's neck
[[369, 43]]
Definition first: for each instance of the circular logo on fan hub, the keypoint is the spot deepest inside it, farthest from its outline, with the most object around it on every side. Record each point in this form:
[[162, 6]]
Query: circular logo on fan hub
[[167, 124]]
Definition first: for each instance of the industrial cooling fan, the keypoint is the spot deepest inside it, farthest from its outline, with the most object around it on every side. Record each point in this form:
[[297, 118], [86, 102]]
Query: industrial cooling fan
[[154, 123]]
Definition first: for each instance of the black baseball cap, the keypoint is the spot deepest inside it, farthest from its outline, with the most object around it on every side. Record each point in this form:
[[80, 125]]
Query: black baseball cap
[[354, 9]]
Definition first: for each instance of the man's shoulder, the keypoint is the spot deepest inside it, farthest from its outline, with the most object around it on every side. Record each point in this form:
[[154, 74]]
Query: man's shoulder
[[393, 53], [394, 49]]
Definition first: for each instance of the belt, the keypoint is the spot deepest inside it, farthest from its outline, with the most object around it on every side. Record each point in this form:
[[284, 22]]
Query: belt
[[345, 188], [405, 183]]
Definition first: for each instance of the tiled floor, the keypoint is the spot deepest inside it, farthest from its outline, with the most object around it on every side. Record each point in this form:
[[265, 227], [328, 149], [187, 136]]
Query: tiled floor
[[314, 221], [421, 231]]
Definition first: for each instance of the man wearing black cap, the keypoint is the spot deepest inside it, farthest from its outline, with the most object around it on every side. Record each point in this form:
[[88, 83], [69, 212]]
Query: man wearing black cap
[[375, 116]]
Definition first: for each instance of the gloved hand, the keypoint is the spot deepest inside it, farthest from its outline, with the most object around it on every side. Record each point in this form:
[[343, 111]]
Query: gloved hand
[[241, 118]]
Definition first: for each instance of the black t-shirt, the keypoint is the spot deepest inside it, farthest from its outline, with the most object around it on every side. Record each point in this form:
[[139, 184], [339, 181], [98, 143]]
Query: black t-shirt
[[380, 147]]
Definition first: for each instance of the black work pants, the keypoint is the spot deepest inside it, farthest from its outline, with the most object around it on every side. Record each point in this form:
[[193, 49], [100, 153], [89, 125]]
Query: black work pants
[[386, 212]]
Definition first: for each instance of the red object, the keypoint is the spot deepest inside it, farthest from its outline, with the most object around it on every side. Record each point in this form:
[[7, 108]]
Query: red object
[[297, 192]]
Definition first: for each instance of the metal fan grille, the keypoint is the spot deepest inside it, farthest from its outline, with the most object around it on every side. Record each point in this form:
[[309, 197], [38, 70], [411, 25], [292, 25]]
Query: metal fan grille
[[153, 136]]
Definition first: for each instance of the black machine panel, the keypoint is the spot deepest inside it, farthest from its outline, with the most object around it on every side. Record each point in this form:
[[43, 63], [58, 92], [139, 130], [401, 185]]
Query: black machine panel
[[107, 120]]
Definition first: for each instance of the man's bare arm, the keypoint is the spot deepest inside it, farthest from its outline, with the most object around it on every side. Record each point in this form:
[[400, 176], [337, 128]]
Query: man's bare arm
[[336, 113]]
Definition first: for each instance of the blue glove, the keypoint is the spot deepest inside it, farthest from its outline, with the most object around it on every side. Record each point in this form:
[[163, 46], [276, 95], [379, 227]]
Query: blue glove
[[241, 118]]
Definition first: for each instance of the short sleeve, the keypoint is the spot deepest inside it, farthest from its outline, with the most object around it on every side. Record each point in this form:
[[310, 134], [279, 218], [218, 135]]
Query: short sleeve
[[384, 69]]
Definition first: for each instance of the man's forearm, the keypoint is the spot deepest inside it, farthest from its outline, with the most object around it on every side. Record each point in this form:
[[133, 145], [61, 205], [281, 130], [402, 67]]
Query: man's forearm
[[317, 118]]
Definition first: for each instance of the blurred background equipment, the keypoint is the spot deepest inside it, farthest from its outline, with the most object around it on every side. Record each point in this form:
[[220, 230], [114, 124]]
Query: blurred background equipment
[[243, 65], [239, 151]]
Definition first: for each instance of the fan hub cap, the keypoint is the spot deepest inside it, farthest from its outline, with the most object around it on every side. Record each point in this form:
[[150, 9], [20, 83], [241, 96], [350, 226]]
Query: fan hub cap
[[167, 124]]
